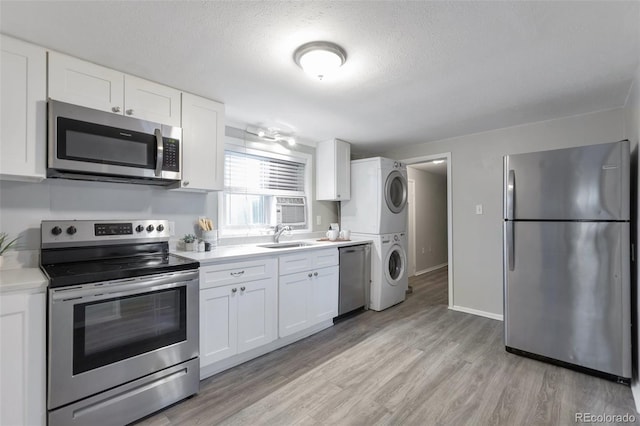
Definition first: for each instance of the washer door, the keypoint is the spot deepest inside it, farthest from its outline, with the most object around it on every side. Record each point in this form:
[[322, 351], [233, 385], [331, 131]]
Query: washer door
[[395, 264], [395, 191]]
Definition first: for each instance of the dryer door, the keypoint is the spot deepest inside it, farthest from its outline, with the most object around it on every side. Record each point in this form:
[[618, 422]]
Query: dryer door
[[395, 191], [395, 264]]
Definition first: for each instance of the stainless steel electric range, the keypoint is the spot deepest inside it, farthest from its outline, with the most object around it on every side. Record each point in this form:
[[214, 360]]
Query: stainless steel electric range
[[122, 331]]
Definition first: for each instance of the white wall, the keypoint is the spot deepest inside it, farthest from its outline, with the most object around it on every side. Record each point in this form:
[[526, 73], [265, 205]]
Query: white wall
[[476, 167], [430, 218]]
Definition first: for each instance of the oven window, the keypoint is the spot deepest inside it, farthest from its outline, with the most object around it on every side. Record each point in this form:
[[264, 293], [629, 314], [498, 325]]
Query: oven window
[[111, 330], [95, 143]]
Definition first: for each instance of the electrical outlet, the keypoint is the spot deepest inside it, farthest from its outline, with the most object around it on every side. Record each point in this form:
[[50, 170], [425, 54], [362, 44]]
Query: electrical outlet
[[172, 228], [318, 220], [478, 208], [422, 250]]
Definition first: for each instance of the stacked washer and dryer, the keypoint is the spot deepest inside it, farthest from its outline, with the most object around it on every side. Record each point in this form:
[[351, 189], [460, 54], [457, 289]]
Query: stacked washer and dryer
[[377, 210]]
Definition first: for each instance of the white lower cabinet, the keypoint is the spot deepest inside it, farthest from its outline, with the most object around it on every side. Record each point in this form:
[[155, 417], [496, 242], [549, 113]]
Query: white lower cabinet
[[247, 309], [294, 301], [309, 297], [238, 317], [324, 294], [218, 324], [22, 363]]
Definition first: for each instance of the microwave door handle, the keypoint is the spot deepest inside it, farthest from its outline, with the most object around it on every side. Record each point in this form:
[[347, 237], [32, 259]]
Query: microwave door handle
[[159, 151]]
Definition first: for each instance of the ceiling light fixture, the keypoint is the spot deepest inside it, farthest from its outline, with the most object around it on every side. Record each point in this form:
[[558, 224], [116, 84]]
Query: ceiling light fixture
[[319, 58], [437, 161], [272, 135]]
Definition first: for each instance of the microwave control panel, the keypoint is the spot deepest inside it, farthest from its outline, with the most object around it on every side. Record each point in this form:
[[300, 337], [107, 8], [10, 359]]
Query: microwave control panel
[[171, 155]]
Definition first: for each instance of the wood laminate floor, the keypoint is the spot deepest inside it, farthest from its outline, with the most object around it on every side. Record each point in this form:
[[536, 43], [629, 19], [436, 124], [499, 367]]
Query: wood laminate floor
[[417, 363]]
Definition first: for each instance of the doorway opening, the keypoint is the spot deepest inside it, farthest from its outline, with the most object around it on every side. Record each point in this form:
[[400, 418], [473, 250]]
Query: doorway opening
[[430, 249]]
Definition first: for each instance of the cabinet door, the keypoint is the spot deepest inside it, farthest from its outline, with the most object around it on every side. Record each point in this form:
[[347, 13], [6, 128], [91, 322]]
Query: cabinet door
[[293, 303], [324, 294], [82, 83], [22, 365], [218, 324], [257, 314], [151, 101], [343, 170], [333, 170], [202, 144], [23, 73]]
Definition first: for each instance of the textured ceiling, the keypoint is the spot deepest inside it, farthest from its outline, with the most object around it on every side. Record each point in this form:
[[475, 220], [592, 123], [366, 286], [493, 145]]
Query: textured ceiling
[[416, 71]]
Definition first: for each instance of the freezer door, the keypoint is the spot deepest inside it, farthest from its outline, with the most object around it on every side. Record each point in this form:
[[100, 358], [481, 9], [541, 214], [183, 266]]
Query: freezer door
[[588, 183], [567, 293]]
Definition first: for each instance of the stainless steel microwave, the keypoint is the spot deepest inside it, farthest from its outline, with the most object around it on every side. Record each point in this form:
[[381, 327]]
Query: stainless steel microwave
[[88, 144]]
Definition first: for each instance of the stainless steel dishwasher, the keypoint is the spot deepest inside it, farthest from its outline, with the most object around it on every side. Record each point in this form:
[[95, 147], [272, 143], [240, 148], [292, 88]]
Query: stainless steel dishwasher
[[355, 277]]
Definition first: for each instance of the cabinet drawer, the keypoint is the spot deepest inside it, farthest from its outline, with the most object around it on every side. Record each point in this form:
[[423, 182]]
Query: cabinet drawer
[[298, 262], [237, 272], [326, 257]]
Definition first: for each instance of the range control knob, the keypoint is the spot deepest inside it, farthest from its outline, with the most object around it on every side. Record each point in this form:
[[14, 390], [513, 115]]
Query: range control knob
[[56, 230], [71, 230], [160, 228], [139, 228], [150, 228]]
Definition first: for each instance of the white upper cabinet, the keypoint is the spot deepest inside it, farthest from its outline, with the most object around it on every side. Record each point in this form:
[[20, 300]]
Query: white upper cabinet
[[83, 83], [202, 144], [151, 101], [333, 170], [80, 82], [23, 108]]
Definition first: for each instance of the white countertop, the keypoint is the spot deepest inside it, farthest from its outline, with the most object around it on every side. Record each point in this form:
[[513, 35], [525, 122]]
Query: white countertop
[[22, 280], [237, 252]]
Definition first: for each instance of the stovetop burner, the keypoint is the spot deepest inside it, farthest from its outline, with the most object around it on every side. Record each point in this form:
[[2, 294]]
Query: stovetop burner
[[74, 273]]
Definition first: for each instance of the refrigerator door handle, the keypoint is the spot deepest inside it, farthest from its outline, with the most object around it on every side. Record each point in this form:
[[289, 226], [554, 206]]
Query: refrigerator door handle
[[510, 244], [511, 191]]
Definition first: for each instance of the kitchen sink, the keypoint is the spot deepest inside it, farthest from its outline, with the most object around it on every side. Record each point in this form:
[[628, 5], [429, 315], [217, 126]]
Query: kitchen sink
[[291, 244]]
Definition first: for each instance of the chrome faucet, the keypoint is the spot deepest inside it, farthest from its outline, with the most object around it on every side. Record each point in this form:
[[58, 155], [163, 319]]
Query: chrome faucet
[[278, 231]]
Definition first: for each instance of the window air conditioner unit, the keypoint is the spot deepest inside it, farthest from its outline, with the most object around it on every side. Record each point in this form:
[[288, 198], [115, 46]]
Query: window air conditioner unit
[[291, 211]]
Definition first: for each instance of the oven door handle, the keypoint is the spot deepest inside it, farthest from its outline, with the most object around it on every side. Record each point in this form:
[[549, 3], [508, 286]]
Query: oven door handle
[[159, 151], [126, 287]]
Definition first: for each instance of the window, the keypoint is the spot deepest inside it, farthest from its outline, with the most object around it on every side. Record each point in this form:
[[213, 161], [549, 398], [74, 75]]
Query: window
[[255, 183]]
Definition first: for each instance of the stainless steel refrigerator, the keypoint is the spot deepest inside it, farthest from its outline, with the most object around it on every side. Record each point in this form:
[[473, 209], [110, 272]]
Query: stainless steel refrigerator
[[567, 257]]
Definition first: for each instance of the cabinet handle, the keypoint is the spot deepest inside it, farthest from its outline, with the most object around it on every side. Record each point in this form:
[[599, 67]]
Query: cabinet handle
[[233, 290], [185, 183], [310, 275], [129, 112], [243, 288], [115, 109], [315, 274], [236, 274]]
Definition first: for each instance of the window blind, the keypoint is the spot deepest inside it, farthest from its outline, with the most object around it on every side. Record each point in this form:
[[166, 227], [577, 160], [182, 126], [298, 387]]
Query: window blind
[[255, 174]]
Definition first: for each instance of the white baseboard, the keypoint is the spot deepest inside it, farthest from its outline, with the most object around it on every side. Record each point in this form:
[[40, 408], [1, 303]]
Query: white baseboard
[[477, 312], [433, 268], [635, 390]]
